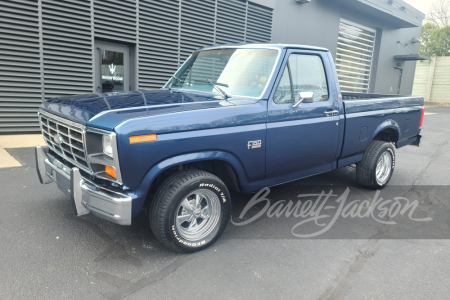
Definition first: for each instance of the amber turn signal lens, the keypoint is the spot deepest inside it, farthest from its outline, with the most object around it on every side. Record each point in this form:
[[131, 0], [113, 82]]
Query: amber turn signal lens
[[110, 171], [142, 138]]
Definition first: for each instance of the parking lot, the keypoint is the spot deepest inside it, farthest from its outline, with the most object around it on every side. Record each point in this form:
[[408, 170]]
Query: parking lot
[[47, 253]]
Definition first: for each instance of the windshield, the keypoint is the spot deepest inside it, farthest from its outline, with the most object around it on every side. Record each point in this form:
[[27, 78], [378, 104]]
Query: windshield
[[237, 72]]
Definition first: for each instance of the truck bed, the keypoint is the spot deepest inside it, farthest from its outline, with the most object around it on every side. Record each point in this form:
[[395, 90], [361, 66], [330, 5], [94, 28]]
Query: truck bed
[[365, 114]]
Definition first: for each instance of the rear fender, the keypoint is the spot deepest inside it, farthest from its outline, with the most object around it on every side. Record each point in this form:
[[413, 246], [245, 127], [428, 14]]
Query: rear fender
[[387, 124]]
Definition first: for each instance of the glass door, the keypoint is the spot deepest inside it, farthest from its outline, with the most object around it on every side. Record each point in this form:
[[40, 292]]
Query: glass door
[[112, 68]]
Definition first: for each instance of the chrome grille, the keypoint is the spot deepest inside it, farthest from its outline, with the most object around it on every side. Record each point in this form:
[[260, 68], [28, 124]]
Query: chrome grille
[[66, 138]]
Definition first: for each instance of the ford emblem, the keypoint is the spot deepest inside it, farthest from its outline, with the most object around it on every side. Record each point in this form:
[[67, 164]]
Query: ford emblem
[[57, 138]]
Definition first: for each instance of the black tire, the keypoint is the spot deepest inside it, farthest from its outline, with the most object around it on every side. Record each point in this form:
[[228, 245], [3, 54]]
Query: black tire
[[366, 170], [166, 209]]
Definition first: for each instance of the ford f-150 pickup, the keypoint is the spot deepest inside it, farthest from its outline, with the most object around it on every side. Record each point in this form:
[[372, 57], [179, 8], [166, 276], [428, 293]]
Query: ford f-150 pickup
[[233, 117]]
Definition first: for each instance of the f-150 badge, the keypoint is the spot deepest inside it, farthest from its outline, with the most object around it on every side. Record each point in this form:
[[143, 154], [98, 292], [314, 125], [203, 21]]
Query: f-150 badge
[[254, 144]]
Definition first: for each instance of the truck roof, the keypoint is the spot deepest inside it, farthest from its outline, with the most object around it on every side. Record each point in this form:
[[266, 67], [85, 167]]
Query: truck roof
[[263, 45]]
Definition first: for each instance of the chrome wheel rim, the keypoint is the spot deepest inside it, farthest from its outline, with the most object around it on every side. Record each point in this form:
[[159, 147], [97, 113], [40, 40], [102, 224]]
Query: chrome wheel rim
[[384, 167], [197, 215]]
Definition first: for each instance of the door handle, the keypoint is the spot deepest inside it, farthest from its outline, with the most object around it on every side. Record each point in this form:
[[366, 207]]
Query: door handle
[[330, 113]]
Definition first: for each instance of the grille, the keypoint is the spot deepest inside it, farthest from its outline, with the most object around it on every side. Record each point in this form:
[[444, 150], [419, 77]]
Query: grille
[[65, 138]]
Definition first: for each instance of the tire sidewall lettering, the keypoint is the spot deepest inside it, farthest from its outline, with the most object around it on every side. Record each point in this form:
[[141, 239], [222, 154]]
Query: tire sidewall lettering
[[222, 194], [215, 188], [185, 243]]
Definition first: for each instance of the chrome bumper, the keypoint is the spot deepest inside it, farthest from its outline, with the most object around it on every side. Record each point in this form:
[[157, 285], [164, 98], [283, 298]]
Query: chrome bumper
[[87, 197]]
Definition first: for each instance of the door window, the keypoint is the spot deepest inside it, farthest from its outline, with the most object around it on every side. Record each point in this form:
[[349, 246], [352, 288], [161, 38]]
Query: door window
[[303, 73], [308, 75]]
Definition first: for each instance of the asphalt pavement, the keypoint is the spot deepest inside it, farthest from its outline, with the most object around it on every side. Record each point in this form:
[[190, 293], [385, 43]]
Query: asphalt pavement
[[47, 253]]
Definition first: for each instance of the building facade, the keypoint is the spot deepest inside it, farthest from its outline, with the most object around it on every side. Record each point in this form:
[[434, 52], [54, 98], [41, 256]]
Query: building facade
[[55, 48], [374, 42]]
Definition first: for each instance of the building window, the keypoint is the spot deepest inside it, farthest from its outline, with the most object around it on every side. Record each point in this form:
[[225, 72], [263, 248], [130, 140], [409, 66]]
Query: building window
[[354, 56]]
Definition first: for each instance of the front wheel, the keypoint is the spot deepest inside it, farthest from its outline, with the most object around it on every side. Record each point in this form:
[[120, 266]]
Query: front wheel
[[376, 168], [190, 211]]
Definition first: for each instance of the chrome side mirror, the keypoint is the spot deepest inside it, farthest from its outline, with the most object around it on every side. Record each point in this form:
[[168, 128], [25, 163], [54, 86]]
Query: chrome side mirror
[[305, 97]]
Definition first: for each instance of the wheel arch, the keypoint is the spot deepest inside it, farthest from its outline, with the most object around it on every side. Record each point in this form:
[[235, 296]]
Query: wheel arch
[[222, 164], [388, 131]]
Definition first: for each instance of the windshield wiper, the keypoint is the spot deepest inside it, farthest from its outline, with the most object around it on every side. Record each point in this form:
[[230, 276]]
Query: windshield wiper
[[171, 82], [216, 86]]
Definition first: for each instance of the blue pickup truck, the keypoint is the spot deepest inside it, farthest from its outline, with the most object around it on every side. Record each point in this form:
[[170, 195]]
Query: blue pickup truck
[[233, 117]]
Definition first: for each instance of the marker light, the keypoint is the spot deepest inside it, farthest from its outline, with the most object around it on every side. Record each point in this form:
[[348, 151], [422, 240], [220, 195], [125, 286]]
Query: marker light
[[142, 138]]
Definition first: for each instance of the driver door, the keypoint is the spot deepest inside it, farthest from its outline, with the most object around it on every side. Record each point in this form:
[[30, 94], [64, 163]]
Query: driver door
[[303, 140]]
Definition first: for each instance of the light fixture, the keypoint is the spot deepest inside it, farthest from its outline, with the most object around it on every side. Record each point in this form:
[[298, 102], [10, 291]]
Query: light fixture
[[143, 138], [107, 145], [302, 1], [415, 40], [111, 171]]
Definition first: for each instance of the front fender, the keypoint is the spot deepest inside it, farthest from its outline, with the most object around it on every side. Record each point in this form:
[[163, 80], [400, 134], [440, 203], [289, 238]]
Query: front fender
[[141, 192]]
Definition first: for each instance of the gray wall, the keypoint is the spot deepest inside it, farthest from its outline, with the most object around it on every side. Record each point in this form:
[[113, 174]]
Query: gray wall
[[317, 24], [386, 63]]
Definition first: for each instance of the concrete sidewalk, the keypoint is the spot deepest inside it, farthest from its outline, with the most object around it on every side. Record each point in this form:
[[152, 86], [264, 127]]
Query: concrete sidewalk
[[17, 141]]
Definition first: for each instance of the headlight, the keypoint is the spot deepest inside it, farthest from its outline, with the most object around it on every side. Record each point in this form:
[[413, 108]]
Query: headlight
[[102, 156], [107, 145]]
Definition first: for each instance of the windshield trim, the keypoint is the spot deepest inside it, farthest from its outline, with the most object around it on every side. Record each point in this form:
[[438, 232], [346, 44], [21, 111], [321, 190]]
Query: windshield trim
[[234, 47]]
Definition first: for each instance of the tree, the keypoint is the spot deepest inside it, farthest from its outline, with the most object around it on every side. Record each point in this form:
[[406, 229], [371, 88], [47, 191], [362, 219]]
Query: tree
[[435, 41], [425, 38], [440, 13]]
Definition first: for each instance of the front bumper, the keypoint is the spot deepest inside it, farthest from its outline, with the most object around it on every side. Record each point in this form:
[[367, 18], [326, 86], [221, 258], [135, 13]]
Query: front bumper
[[87, 197]]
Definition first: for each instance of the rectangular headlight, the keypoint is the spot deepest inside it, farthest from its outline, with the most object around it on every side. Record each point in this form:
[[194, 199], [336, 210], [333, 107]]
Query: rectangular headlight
[[107, 145]]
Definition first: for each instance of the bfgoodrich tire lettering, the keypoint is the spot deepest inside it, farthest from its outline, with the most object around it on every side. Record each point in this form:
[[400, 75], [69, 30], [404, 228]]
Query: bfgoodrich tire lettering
[[376, 168], [190, 211]]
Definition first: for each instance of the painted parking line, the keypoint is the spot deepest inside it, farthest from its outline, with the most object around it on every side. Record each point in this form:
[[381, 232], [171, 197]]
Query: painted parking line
[[428, 113], [7, 161]]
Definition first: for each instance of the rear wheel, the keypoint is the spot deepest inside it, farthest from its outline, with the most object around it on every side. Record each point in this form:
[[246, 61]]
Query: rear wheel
[[190, 211], [376, 168]]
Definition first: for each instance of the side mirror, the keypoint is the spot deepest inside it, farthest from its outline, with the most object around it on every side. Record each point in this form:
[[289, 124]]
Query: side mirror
[[308, 97], [305, 97]]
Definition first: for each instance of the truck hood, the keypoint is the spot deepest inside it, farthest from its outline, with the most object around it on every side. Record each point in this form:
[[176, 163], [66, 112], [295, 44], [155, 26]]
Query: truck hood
[[106, 111]]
